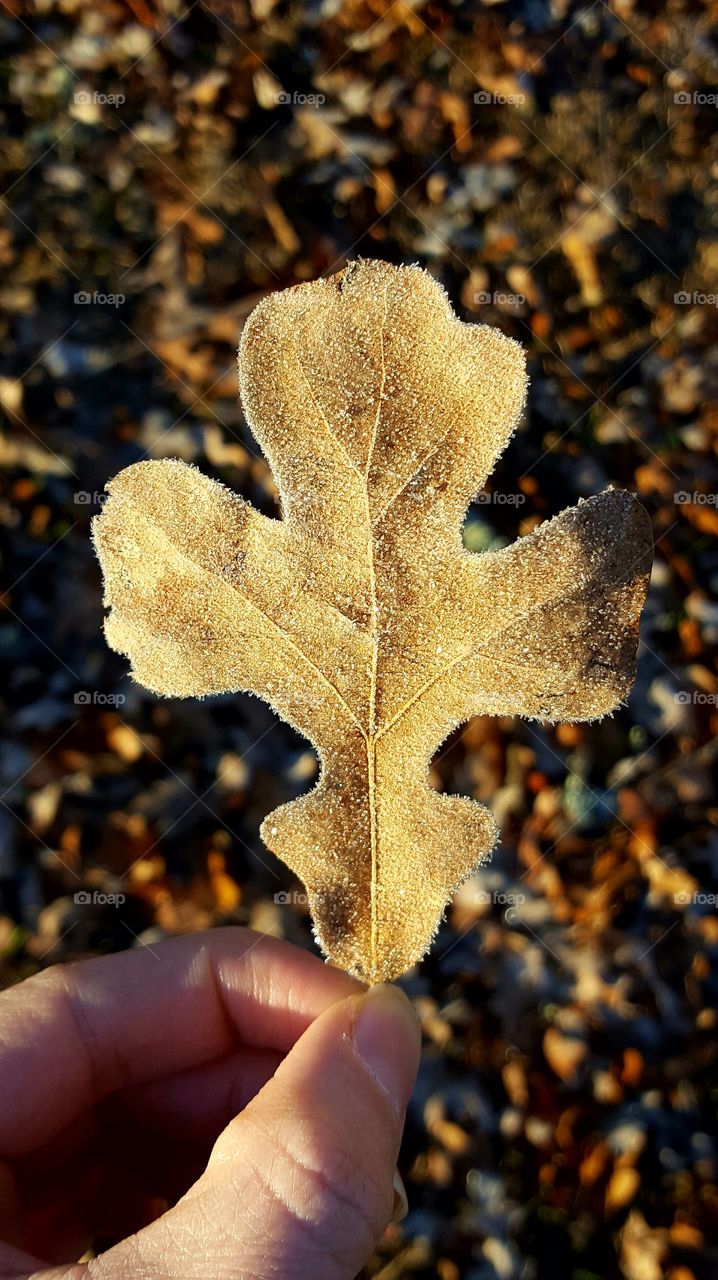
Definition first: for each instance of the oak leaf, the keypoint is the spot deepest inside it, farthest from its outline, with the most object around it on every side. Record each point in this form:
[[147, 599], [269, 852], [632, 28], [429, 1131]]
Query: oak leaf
[[359, 616]]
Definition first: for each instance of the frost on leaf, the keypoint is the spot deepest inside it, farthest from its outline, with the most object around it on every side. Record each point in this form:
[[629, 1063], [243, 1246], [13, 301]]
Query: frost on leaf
[[359, 616]]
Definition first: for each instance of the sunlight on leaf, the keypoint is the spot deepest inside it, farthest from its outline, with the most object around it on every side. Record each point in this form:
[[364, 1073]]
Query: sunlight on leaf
[[359, 616]]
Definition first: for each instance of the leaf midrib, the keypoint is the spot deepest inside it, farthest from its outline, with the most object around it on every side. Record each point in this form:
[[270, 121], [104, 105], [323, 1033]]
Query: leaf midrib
[[372, 797]]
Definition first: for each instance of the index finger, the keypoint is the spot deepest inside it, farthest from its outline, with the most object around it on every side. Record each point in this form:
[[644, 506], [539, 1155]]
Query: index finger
[[76, 1032]]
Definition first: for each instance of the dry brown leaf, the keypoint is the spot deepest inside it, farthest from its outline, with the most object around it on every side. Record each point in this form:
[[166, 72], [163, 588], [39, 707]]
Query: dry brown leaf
[[622, 1188], [564, 1054], [359, 616]]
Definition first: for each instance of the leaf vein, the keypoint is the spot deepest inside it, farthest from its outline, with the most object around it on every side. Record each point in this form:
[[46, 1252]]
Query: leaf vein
[[337, 439], [268, 618]]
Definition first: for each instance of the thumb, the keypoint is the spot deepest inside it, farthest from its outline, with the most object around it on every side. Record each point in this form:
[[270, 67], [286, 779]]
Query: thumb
[[301, 1182]]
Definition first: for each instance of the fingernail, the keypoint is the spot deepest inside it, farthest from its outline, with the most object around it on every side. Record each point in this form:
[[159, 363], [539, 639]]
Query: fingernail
[[401, 1202], [387, 1039]]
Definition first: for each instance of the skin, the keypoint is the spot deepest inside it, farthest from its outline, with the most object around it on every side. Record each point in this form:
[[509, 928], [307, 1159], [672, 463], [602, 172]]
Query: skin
[[259, 1092]]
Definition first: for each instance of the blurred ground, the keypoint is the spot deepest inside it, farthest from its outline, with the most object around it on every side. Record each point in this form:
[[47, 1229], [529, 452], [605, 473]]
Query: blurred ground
[[552, 165]]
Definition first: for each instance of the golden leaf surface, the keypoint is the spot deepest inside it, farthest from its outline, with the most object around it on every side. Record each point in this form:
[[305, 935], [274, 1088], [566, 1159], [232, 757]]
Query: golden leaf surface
[[359, 616]]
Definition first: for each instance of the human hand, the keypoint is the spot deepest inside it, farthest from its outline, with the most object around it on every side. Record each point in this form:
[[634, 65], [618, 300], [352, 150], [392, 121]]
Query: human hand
[[265, 1089]]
